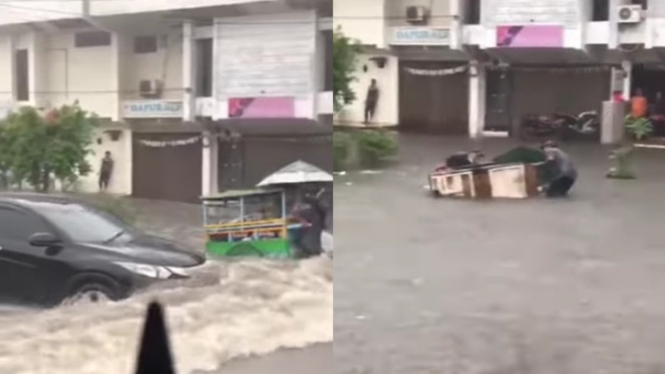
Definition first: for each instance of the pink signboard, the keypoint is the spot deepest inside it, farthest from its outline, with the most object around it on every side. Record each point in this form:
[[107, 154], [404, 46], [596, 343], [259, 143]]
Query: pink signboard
[[262, 107], [530, 36]]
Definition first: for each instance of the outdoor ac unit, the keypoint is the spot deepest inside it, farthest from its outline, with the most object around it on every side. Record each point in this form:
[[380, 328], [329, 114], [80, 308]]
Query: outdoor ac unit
[[628, 14], [150, 88], [417, 14]]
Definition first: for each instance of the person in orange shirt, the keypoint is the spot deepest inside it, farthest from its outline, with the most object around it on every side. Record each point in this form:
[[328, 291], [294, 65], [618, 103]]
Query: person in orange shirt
[[638, 105]]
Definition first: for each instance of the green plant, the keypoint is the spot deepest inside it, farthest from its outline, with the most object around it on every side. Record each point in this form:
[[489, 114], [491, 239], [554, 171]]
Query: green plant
[[341, 150], [375, 146], [41, 147], [621, 157], [345, 56], [639, 128]]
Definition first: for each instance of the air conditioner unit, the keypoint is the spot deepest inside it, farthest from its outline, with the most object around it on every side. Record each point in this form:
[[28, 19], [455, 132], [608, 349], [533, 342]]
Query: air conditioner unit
[[151, 88], [628, 14], [417, 14]]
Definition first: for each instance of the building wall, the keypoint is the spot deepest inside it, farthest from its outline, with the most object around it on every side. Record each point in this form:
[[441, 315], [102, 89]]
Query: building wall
[[362, 20], [267, 56], [164, 65], [440, 14], [6, 55], [387, 109], [79, 74]]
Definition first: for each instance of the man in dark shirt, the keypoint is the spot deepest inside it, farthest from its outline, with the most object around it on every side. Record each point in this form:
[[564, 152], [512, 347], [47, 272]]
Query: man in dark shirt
[[567, 173], [370, 101], [105, 171]]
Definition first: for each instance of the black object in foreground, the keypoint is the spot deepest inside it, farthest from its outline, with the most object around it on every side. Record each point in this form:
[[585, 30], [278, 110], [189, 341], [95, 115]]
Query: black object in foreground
[[155, 352]]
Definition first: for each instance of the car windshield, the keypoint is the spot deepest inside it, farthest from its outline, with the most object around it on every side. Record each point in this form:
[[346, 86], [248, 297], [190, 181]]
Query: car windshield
[[82, 223]]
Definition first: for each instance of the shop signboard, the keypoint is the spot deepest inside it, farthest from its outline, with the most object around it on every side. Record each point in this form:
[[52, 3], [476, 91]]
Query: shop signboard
[[262, 107], [530, 36], [431, 36], [152, 109]]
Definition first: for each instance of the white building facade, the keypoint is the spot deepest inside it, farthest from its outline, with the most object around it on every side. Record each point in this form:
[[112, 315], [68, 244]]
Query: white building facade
[[157, 73], [478, 66]]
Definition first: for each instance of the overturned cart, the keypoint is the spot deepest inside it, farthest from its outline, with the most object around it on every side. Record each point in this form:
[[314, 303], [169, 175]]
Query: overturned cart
[[516, 174]]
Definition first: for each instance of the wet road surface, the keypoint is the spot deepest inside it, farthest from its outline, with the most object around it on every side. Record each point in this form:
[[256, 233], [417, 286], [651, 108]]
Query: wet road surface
[[500, 287]]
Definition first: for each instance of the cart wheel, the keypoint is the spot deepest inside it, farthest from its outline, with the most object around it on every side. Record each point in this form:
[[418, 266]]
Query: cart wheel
[[244, 250]]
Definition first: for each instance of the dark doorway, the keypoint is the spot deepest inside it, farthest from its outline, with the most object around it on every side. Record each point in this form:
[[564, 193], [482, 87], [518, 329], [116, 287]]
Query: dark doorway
[[204, 62], [230, 170], [497, 112], [472, 12]]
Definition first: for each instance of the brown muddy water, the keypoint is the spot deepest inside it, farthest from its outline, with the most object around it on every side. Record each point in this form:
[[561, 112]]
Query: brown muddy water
[[227, 311]]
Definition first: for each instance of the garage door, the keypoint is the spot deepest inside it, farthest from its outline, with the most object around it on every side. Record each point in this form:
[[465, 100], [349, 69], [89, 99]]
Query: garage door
[[431, 99], [263, 156], [167, 166]]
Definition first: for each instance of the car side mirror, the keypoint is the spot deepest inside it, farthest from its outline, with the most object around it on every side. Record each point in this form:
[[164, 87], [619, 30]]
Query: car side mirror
[[44, 239]]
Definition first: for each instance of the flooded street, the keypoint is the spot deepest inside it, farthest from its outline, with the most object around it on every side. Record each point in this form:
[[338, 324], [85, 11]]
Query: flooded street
[[500, 287], [226, 311]]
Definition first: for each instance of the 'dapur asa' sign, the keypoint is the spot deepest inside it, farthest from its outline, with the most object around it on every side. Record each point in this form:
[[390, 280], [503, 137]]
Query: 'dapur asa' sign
[[152, 109], [420, 36]]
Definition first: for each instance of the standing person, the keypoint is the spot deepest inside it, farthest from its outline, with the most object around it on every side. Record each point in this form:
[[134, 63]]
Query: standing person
[[638, 104], [566, 173], [105, 171], [370, 101]]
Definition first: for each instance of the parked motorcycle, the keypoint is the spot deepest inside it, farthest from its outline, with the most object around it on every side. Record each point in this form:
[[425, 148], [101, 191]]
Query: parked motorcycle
[[585, 125]]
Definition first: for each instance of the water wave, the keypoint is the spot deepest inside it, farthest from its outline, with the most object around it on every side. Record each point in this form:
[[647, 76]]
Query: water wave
[[226, 311]]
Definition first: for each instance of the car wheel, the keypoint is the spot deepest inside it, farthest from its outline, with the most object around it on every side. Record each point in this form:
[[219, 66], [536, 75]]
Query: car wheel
[[91, 293], [244, 250]]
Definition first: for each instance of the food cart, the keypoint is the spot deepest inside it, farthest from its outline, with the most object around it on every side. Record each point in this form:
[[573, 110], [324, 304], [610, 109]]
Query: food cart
[[516, 174], [247, 223]]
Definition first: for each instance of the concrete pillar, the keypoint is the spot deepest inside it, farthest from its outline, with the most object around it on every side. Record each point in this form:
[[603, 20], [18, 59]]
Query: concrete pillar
[[627, 67], [36, 69], [210, 162], [477, 98], [456, 23], [188, 71], [119, 54], [128, 168]]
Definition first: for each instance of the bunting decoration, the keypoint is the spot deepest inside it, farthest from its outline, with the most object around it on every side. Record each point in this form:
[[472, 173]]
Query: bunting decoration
[[437, 72], [577, 70], [170, 143]]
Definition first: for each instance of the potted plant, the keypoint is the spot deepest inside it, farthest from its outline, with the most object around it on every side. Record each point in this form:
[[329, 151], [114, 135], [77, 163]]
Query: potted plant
[[638, 129]]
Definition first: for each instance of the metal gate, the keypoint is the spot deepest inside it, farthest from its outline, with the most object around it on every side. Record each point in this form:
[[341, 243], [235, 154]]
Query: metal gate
[[169, 172], [497, 114], [230, 172]]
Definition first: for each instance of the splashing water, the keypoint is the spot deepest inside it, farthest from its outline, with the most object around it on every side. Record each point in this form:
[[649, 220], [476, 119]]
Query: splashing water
[[227, 310]]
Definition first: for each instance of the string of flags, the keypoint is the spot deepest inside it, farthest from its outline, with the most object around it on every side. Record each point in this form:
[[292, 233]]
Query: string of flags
[[170, 143], [437, 72], [464, 68]]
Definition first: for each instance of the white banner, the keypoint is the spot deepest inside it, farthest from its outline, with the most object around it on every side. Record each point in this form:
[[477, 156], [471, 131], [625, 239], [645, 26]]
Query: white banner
[[170, 143], [437, 72]]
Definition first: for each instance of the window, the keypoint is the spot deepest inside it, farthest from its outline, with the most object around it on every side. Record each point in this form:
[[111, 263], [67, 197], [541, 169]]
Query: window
[[601, 10], [472, 14], [83, 224], [204, 60], [17, 225], [145, 44], [92, 39], [22, 75]]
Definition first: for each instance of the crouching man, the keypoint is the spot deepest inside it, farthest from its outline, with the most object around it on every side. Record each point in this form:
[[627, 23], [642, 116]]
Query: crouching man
[[566, 171]]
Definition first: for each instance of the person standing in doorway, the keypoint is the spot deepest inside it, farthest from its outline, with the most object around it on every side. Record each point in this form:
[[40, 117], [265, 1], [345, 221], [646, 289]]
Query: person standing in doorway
[[105, 171], [370, 101]]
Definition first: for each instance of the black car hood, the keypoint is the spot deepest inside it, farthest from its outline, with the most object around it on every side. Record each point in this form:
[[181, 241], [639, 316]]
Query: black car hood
[[151, 250]]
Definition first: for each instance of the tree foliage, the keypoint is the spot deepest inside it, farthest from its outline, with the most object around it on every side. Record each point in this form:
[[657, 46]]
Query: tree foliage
[[345, 56], [36, 148]]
